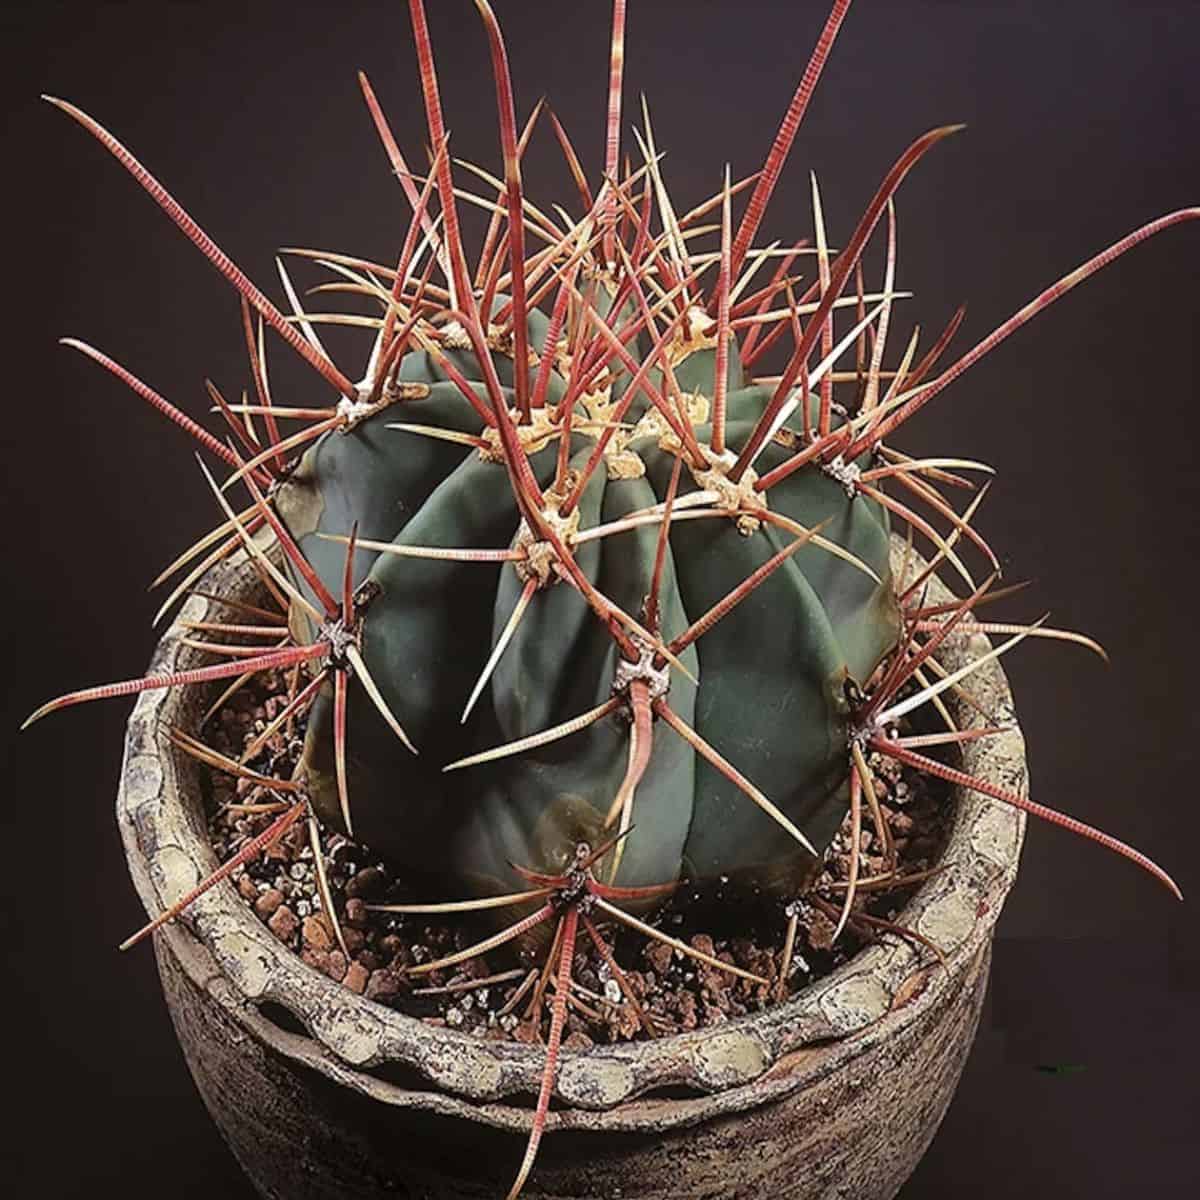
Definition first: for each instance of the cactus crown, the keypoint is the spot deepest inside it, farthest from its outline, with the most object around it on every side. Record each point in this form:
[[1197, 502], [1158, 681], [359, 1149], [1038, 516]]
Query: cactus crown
[[579, 604]]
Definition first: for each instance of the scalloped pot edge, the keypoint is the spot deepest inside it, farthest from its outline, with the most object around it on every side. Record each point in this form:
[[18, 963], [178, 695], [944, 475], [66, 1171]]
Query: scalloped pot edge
[[226, 951]]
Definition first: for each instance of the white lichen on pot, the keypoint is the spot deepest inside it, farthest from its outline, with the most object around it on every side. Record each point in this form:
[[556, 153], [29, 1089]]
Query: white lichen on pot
[[579, 603]]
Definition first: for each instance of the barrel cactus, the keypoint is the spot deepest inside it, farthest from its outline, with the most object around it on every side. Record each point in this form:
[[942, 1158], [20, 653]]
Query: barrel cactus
[[459, 575], [579, 604]]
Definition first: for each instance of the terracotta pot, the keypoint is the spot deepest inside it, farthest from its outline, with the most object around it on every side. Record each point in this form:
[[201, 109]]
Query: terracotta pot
[[323, 1094]]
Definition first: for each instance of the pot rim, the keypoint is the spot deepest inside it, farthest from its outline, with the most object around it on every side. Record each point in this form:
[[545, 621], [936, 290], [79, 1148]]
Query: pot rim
[[398, 1059]]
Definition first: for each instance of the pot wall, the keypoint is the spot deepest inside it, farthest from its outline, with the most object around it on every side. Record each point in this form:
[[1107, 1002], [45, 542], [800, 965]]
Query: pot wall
[[857, 1132], [323, 1094]]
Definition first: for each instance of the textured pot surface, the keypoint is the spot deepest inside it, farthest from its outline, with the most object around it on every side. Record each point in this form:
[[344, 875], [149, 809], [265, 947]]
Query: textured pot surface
[[322, 1093]]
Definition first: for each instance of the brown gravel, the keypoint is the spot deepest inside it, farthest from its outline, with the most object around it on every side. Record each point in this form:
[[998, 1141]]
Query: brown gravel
[[676, 992]]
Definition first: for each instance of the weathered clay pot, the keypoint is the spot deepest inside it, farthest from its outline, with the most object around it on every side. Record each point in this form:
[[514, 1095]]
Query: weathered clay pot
[[322, 1094]]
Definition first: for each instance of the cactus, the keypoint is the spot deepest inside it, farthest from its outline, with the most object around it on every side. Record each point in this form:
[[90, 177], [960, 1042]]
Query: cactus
[[578, 604], [826, 613]]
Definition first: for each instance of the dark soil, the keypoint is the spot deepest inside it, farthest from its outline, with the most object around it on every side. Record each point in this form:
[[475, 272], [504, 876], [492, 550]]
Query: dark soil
[[492, 996]]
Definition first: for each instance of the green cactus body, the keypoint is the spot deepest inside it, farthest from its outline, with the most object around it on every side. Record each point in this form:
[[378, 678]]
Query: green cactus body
[[771, 673]]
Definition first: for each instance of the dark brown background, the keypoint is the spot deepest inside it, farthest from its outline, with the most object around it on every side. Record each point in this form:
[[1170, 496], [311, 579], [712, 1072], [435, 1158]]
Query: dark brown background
[[1084, 121]]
